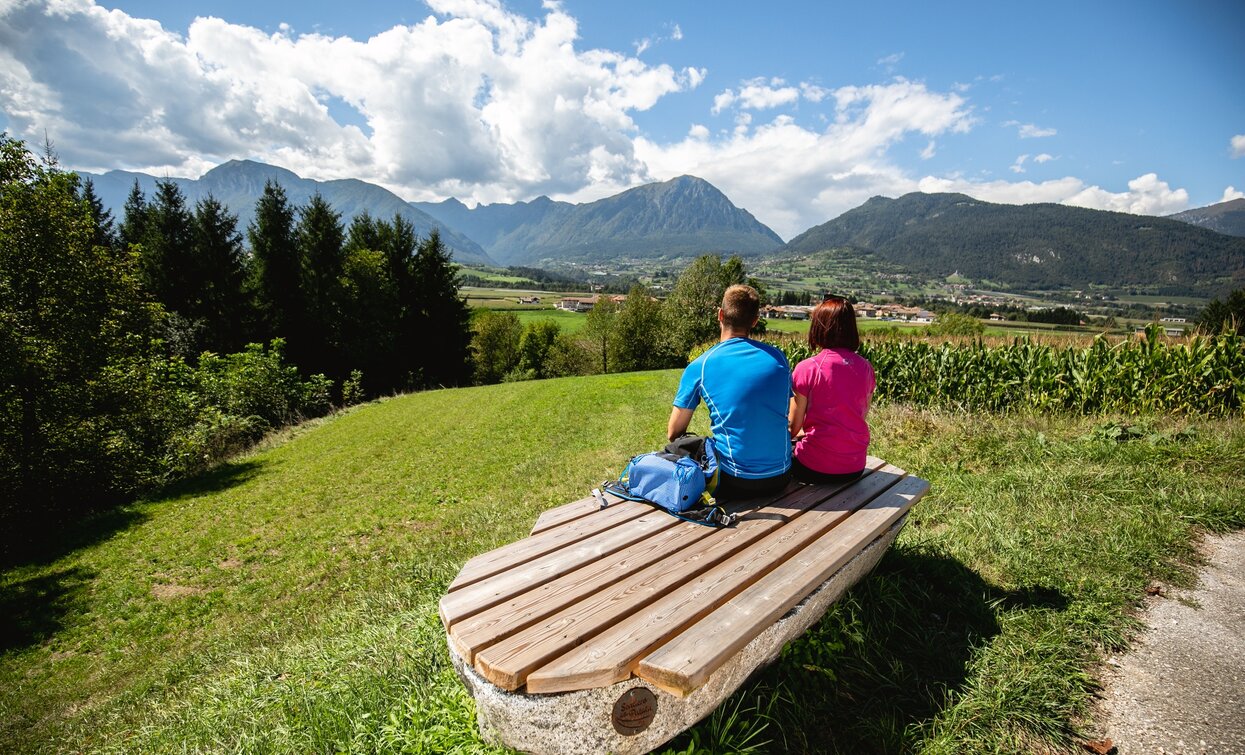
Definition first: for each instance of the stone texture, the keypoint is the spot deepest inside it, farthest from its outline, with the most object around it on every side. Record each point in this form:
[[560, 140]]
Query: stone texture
[[580, 722]]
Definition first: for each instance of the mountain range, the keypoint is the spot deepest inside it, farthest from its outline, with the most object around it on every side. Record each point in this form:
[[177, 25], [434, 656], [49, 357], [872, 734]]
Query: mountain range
[[685, 216], [930, 235], [1033, 246], [238, 184], [1225, 217]]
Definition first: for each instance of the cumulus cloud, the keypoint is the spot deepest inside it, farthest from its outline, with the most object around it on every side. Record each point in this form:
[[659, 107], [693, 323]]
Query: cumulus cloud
[[1043, 158], [1030, 131], [1019, 165], [1146, 195], [1231, 193], [1238, 145], [792, 177], [474, 101]]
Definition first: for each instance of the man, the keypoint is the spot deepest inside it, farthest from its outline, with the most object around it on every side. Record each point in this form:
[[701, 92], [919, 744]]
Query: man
[[746, 386]]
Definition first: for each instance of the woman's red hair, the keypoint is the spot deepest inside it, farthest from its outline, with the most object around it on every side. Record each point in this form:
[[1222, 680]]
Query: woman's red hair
[[833, 325]]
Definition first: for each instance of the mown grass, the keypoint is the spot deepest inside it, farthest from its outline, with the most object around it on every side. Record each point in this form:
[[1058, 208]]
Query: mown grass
[[287, 601]]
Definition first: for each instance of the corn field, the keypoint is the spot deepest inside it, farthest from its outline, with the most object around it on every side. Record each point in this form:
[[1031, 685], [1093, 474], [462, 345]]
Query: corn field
[[1202, 376]]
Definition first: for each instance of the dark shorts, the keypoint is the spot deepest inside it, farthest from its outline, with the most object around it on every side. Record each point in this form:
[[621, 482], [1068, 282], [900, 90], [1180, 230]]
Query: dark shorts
[[739, 487], [810, 477]]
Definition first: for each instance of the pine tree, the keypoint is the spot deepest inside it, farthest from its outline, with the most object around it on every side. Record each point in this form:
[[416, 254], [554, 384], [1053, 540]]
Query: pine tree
[[219, 262], [101, 217], [441, 319], [320, 239], [134, 220], [277, 271]]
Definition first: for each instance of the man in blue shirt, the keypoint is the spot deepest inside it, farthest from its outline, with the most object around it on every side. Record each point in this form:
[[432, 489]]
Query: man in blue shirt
[[746, 386]]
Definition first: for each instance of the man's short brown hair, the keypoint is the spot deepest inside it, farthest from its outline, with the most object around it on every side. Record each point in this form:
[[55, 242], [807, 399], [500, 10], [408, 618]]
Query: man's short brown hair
[[741, 305]]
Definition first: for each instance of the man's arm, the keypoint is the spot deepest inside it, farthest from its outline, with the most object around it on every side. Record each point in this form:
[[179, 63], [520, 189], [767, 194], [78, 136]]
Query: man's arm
[[679, 420]]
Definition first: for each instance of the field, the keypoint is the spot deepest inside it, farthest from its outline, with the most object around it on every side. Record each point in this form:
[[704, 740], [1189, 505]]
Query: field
[[286, 602]]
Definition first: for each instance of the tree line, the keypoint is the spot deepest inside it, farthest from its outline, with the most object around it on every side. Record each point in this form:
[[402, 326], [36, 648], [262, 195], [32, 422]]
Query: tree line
[[134, 353], [638, 332]]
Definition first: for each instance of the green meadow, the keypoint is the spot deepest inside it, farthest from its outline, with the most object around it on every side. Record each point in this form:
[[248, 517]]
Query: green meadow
[[286, 601]]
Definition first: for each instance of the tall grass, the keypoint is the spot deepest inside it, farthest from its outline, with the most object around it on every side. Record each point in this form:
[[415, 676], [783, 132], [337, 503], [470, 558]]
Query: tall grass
[[1204, 376]]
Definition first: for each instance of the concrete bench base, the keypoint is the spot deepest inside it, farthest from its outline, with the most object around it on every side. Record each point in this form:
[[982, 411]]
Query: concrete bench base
[[583, 721]]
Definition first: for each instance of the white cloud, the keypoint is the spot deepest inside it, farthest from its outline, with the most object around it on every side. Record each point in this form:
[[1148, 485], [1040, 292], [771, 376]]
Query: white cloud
[[1019, 165], [1146, 195], [674, 35], [1238, 145], [722, 100], [759, 94], [929, 150], [1231, 193], [1043, 158], [890, 61], [792, 177], [475, 101], [1030, 131]]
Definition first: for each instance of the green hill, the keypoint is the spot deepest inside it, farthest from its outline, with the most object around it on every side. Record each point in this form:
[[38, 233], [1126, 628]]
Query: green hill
[[287, 601], [1034, 246]]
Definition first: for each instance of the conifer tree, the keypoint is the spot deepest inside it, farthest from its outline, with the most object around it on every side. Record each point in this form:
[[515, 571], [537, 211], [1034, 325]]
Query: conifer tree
[[277, 271], [219, 262], [134, 218], [321, 238], [101, 217], [442, 319]]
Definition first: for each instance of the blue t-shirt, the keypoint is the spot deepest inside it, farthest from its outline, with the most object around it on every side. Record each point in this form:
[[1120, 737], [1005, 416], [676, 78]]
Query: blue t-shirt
[[746, 386]]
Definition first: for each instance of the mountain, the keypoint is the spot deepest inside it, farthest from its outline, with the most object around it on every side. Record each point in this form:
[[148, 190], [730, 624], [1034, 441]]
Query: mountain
[[682, 217], [1225, 217], [1033, 246], [239, 183]]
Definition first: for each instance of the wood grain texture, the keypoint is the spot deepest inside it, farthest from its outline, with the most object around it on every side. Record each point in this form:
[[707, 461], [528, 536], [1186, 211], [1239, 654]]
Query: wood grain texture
[[612, 653], [569, 512], [472, 599], [685, 662], [521, 551]]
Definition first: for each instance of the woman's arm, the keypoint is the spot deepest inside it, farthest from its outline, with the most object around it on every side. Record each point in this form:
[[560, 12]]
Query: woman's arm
[[795, 416]]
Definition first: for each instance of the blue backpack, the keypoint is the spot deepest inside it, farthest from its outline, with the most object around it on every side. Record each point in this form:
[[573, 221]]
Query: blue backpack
[[674, 481]]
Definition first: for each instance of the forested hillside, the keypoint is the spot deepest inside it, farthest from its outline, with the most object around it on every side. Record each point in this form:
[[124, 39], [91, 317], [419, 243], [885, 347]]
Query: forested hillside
[[1224, 217], [1034, 246], [238, 185]]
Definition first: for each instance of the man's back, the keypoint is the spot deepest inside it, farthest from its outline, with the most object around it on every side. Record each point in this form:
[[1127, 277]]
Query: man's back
[[746, 386]]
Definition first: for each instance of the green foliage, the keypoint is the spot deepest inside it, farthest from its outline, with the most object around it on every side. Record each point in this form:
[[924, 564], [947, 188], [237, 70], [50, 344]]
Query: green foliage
[[495, 345], [1205, 376], [601, 329], [641, 341], [534, 346], [955, 324], [1224, 316]]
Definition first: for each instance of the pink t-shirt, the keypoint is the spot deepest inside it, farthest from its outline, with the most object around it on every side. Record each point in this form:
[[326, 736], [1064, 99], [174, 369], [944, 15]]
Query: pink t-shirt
[[838, 384]]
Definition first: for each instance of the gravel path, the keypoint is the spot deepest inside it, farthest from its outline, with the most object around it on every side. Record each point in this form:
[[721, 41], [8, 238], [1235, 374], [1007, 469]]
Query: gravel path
[[1181, 688]]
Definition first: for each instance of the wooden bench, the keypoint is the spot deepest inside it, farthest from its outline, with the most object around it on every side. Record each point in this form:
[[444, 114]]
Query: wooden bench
[[612, 630]]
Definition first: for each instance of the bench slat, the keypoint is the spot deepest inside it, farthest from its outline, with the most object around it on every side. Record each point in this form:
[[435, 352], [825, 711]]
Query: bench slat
[[507, 663], [521, 551], [569, 512], [610, 656], [685, 663], [472, 599], [504, 619]]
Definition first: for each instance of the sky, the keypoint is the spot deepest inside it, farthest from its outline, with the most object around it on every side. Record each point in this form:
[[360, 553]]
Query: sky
[[797, 111]]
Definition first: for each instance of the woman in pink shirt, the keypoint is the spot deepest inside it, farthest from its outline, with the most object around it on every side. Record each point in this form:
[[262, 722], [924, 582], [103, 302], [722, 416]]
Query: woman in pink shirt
[[832, 393]]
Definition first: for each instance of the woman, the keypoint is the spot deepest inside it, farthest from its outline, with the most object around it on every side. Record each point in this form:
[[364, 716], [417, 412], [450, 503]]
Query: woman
[[832, 393]]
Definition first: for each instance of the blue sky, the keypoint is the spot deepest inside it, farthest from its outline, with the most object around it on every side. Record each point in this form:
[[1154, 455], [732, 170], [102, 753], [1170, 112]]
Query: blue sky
[[798, 111]]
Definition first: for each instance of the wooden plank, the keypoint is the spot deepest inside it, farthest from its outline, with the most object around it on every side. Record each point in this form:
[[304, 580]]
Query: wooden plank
[[685, 662], [522, 551], [492, 625], [488, 627], [569, 512], [460, 604], [610, 655]]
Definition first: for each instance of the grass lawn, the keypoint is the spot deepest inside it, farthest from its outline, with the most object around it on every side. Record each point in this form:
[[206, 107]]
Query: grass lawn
[[570, 322], [286, 602]]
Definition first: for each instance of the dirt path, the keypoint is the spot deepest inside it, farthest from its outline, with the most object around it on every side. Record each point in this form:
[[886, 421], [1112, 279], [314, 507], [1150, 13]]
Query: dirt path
[[1181, 688]]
